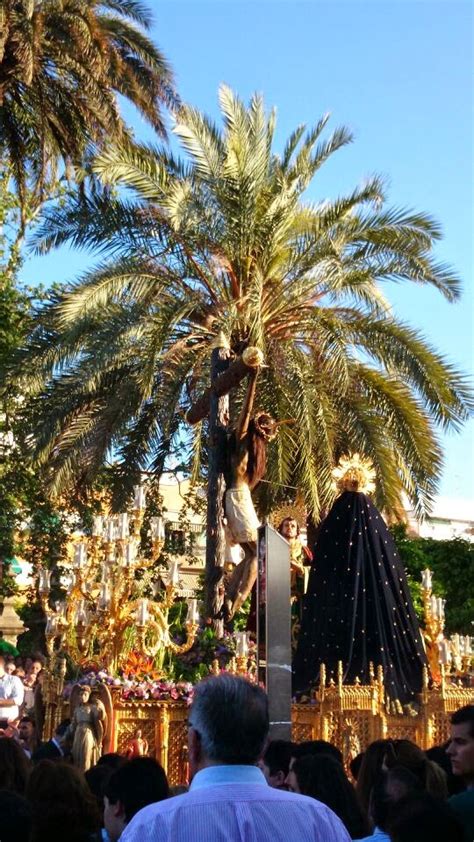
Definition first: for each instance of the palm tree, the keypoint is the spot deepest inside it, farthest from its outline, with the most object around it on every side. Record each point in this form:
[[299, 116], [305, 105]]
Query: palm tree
[[62, 66], [225, 241]]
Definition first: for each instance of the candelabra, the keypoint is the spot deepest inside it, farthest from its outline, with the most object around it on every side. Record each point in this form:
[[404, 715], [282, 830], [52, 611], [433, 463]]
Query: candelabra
[[105, 614], [461, 654], [437, 648], [453, 654]]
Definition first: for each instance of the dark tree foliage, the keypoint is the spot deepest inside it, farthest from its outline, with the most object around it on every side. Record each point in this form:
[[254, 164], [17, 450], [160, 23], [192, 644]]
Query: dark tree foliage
[[452, 563]]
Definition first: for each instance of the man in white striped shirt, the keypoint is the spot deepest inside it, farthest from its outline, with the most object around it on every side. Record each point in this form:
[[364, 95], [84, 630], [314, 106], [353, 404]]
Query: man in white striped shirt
[[229, 799]]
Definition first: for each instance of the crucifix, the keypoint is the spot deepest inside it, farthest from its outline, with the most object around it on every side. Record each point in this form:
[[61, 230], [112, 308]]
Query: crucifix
[[240, 459]]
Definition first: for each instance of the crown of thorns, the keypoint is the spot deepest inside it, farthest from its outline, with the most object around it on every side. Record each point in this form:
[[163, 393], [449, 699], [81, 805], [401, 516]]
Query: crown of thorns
[[265, 425]]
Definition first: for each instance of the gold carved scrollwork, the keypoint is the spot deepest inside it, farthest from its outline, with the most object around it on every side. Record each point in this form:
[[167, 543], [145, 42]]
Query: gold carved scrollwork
[[349, 716]]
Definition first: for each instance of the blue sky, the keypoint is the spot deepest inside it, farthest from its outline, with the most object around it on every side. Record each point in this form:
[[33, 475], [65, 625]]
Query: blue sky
[[399, 74]]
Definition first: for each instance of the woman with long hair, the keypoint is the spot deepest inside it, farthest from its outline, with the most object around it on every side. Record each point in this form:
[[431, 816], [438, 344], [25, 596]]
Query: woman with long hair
[[410, 756], [322, 777], [370, 770], [62, 804]]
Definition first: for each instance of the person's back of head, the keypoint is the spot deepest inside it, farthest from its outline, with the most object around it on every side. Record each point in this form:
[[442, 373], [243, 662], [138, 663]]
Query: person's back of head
[[61, 802], [134, 785], [369, 771], [322, 777], [408, 754], [112, 759], [400, 782], [15, 817], [436, 781], [275, 762], [313, 747], [355, 765], [380, 803], [423, 818], [97, 778], [229, 718], [437, 754], [14, 766]]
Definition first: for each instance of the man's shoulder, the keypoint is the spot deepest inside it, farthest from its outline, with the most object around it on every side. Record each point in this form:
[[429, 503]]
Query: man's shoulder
[[231, 794]]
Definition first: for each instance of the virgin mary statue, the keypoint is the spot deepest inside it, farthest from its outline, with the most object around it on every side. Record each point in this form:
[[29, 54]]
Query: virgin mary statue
[[358, 609]]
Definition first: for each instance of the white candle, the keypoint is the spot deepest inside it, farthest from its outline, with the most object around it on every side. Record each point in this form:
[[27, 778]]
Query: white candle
[[193, 613], [242, 644], [123, 528], [110, 530], [139, 497], [81, 614], [80, 555], [130, 553], [44, 580], [157, 528], [467, 645], [104, 595], [50, 625], [444, 653], [142, 612], [426, 579], [173, 577], [441, 603], [97, 526]]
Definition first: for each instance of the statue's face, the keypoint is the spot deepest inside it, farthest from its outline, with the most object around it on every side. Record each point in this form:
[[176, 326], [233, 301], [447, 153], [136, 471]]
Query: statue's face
[[139, 733], [85, 694], [289, 528], [266, 425]]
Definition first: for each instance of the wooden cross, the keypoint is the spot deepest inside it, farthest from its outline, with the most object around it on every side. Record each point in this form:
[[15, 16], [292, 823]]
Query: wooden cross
[[214, 403]]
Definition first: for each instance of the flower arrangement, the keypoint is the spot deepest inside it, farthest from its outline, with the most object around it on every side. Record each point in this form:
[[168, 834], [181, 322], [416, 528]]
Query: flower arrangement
[[131, 688], [141, 679]]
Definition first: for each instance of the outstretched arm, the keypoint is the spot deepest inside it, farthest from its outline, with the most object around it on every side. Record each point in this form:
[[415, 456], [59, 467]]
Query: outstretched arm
[[247, 406]]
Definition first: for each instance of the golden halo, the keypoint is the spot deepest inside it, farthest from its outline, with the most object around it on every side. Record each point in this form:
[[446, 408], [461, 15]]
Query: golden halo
[[354, 473]]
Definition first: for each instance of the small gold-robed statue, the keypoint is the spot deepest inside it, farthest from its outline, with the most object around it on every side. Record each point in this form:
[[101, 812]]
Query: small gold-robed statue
[[87, 728]]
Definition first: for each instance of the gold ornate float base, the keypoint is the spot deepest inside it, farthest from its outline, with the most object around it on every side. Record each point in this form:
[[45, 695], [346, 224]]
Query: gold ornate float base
[[350, 716]]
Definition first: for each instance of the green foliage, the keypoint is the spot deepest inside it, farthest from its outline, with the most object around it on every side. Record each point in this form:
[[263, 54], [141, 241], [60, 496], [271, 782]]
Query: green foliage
[[452, 564], [197, 663], [62, 67], [8, 586], [225, 240]]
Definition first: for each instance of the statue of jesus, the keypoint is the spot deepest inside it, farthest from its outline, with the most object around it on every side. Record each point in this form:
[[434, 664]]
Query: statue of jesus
[[247, 451]]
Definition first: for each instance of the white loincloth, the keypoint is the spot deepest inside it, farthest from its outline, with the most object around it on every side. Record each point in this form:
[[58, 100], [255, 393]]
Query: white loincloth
[[242, 520]]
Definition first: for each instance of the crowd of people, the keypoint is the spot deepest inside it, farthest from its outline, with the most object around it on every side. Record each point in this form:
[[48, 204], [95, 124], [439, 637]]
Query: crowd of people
[[242, 786], [20, 698]]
